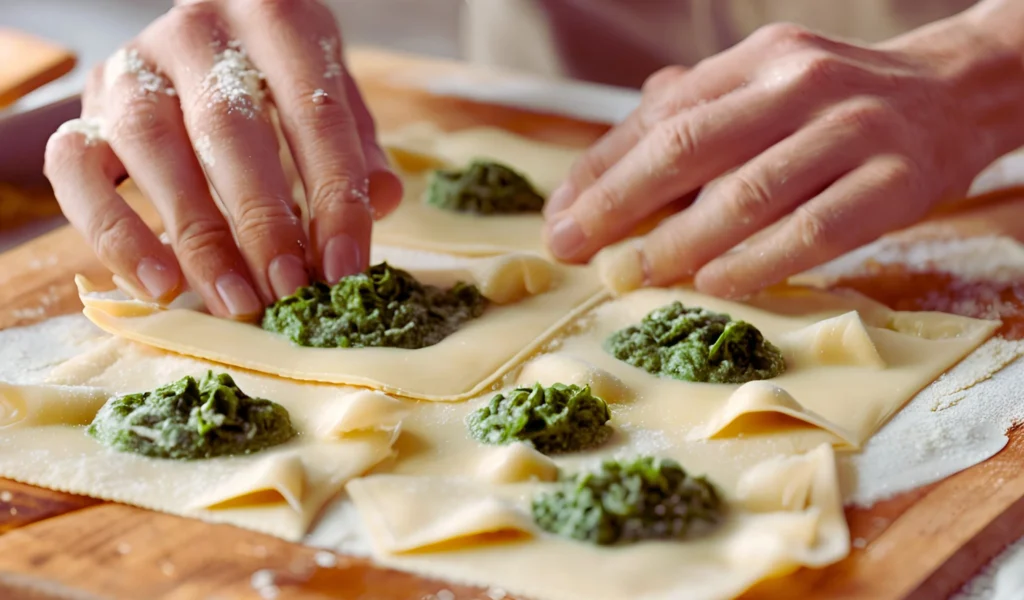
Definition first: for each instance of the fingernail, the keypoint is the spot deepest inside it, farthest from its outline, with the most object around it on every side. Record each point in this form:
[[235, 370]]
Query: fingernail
[[238, 295], [341, 258], [560, 200], [287, 273], [566, 237], [158, 279]]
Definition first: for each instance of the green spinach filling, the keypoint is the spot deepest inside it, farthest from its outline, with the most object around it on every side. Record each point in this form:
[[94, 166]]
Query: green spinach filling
[[383, 307], [556, 419], [485, 188], [624, 502], [192, 419], [695, 344]]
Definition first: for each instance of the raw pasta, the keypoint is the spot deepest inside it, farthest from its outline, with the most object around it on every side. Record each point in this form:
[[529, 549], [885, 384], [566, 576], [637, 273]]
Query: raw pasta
[[533, 300], [277, 491], [415, 224]]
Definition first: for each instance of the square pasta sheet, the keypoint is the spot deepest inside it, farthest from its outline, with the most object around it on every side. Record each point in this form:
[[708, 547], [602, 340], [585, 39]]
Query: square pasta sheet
[[421, 148], [451, 508], [531, 299], [342, 432]]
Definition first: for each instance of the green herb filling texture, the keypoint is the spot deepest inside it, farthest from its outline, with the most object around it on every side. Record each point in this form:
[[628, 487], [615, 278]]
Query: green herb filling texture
[[383, 307], [626, 502], [557, 419], [695, 344], [485, 188], [192, 419]]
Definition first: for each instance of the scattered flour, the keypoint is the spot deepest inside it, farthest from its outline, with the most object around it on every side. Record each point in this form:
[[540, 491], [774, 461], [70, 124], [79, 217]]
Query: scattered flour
[[204, 149], [234, 81], [332, 66], [1003, 579], [91, 129], [27, 354], [264, 583], [958, 421], [128, 61], [325, 559]]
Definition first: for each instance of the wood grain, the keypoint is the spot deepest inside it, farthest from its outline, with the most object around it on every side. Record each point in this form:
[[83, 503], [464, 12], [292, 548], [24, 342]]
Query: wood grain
[[922, 544]]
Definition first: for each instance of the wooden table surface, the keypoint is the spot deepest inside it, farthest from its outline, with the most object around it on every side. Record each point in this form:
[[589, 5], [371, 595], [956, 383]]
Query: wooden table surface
[[922, 545]]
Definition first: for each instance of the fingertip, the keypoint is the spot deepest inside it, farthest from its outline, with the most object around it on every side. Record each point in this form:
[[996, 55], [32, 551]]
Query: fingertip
[[559, 200], [565, 238], [386, 190], [159, 278]]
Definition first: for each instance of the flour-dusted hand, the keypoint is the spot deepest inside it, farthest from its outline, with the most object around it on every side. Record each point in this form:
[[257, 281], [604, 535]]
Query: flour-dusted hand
[[191, 97], [802, 148]]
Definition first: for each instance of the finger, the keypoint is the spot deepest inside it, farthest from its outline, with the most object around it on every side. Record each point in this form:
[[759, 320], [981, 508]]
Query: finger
[[666, 93], [882, 195], [673, 159], [298, 48], [82, 169], [226, 118], [762, 191], [385, 186], [148, 131]]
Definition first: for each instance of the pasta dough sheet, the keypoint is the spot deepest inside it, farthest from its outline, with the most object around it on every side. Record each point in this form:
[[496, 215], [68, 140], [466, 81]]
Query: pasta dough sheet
[[278, 491], [542, 297], [788, 513], [852, 363], [452, 508], [415, 224]]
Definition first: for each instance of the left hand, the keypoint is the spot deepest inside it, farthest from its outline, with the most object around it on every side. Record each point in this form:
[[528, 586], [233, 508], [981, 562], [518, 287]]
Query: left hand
[[812, 146]]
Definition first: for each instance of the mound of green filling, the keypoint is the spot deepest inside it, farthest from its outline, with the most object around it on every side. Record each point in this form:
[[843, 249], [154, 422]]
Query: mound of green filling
[[485, 188], [383, 307], [191, 419], [556, 419], [622, 502], [695, 344]]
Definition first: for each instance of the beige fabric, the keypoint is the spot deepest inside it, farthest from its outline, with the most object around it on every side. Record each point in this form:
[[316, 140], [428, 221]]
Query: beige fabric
[[622, 41]]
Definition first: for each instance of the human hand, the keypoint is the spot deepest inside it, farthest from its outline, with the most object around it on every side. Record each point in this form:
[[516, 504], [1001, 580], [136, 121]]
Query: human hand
[[192, 93], [805, 148]]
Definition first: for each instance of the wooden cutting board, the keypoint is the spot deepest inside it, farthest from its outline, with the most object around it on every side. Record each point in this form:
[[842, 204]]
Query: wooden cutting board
[[920, 545]]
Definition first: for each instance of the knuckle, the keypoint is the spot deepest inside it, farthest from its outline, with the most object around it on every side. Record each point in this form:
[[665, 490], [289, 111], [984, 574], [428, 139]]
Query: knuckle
[[864, 115], [198, 236], [786, 36], [746, 196], [813, 229], [188, 20], [138, 121], [275, 10], [259, 217], [676, 139], [587, 168], [333, 190], [110, 230], [662, 77], [818, 69]]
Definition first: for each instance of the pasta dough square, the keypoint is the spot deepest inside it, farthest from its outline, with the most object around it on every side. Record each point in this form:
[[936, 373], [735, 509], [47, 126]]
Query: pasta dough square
[[852, 363], [415, 224], [278, 491], [460, 366], [477, 533]]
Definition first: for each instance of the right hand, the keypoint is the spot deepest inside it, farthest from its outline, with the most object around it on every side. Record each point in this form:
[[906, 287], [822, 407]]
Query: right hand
[[182, 94]]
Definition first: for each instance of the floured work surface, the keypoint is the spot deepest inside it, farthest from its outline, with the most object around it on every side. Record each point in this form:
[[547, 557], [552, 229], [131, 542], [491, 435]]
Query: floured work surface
[[227, 541], [449, 507]]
